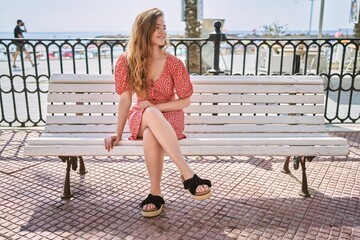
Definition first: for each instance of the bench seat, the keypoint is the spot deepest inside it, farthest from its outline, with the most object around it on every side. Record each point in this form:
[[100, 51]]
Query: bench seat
[[252, 146]]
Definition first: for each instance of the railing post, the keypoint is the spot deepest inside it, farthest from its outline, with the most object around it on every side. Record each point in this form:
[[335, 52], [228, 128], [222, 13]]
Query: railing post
[[217, 36]]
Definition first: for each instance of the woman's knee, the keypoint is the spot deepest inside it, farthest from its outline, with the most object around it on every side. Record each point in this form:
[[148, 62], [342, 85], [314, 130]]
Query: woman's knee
[[152, 112]]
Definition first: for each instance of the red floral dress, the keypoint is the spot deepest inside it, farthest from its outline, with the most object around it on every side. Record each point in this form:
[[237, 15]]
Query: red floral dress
[[173, 80]]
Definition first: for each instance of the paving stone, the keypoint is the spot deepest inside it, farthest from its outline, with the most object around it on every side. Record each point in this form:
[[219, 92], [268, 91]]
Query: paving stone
[[252, 199]]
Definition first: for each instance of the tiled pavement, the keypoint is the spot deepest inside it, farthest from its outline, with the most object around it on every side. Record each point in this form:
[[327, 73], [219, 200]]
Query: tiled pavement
[[252, 199]]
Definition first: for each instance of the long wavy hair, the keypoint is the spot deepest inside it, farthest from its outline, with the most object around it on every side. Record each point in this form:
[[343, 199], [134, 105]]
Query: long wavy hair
[[140, 50]]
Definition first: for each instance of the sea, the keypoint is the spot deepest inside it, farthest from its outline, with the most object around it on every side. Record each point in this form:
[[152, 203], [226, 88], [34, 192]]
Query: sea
[[75, 35], [62, 35]]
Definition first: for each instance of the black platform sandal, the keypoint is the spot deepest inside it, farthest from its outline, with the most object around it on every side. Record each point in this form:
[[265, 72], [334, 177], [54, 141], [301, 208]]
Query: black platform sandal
[[158, 201], [193, 183]]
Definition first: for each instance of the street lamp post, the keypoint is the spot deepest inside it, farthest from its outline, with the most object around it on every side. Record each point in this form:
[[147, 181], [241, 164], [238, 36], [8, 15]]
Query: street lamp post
[[311, 14], [321, 18]]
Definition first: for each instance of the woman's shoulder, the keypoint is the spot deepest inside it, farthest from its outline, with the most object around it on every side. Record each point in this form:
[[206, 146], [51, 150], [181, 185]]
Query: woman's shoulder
[[121, 64], [174, 60], [122, 58]]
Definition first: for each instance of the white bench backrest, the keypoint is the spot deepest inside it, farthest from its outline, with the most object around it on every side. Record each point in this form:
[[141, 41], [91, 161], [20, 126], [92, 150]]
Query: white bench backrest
[[242, 104]]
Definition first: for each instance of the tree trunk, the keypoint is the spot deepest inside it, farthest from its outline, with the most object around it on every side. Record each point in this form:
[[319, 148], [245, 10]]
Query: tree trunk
[[193, 30], [357, 28]]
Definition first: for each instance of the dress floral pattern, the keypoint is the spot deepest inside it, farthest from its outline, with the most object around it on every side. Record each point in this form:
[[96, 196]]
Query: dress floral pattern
[[173, 80]]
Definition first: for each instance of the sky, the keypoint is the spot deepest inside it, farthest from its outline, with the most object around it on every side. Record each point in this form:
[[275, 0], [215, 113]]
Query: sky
[[118, 15]]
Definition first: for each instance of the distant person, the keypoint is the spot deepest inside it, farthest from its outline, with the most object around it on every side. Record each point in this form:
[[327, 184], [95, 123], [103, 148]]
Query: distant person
[[18, 34], [163, 88]]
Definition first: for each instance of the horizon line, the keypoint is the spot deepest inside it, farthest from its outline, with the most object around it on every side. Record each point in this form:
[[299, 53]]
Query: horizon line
[[245, 30]]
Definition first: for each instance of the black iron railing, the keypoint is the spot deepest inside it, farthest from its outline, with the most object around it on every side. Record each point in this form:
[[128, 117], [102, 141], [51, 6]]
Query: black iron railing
[[23, 89]]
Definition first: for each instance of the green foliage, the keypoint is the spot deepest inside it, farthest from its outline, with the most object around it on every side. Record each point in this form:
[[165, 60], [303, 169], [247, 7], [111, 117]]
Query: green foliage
[[273, 30]]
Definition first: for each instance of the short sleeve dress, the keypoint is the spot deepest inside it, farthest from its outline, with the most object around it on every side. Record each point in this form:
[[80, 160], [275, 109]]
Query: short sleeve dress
[[174, 80]]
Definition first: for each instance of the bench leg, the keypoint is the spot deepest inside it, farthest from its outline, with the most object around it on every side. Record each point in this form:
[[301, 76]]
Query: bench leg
[[71, 162], [82, 170], [286, 166], [304, 188]]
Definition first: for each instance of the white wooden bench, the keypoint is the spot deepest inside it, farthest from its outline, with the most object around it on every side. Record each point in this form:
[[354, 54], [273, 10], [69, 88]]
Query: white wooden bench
[[229, 115]]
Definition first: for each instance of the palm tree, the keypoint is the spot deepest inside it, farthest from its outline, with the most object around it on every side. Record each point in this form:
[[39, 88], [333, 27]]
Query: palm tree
[[357, 27], [193, 30]]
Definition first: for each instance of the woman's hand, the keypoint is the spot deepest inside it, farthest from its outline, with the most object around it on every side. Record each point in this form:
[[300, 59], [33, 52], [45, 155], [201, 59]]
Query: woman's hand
[[111, 141], [144, 104]]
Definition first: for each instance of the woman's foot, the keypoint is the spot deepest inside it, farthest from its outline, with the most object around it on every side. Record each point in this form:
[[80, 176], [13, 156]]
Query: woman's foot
[[152, 206], [199, 188]]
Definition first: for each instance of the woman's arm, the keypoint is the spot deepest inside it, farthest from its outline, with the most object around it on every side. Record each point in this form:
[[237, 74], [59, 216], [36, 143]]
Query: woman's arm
[[177, 104], [123, 111]]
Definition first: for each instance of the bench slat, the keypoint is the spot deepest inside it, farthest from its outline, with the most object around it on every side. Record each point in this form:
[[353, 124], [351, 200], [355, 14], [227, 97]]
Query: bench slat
[[71, 97], [88, 88], [51, 120], [58, 150], [280, 109], [83, 128], [196, 98], [82, 108], [264, 80], [300, 109], [81, 78], [246, 98], [259, 89], [193, 135], [195, 128], [252, 128], [290, 141], [256, 135], [110, 88], [255, 120]]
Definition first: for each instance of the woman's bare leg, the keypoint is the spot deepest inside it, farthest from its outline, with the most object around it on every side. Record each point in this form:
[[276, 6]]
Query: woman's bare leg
[[154, 159], [165, 135]]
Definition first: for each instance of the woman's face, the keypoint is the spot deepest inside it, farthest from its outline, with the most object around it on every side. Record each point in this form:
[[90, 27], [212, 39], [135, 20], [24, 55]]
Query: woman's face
[[159, 36]]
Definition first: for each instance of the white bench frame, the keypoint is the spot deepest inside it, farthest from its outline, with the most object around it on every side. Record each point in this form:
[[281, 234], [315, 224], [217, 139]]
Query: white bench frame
[[229, 116]]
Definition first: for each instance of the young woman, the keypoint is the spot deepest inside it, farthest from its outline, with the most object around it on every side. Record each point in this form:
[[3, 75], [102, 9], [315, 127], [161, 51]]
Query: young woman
[[163, 88]]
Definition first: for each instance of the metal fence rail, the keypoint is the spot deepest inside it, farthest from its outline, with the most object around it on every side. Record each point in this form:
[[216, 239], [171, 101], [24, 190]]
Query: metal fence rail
[[23, 90]]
